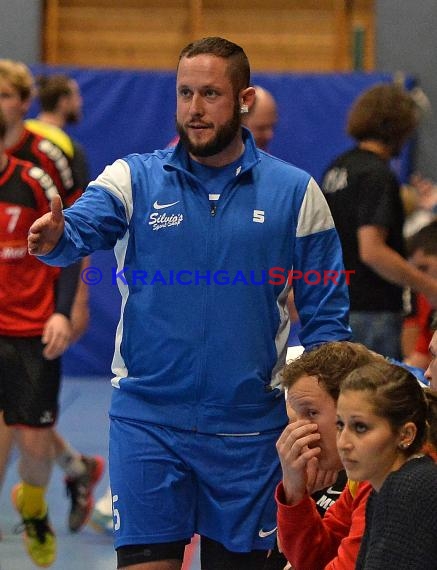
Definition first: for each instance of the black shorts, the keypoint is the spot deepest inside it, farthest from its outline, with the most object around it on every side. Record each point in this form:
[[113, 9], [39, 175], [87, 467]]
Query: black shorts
[[213, 555], [29, 384]]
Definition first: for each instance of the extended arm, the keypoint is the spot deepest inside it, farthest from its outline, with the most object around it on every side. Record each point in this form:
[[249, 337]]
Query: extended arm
[[95, 221], [391, 266]]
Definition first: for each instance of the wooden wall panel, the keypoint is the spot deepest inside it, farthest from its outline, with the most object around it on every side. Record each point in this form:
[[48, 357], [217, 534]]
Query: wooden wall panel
[[364, 18], [278, 35]]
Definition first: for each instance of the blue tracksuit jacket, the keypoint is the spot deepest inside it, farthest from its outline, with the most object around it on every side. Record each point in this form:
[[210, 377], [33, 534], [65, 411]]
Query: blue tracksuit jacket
[[204, 326]]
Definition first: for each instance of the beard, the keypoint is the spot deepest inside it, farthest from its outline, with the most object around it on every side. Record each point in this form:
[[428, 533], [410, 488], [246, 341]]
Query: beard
[[223, 137], [73, 117]]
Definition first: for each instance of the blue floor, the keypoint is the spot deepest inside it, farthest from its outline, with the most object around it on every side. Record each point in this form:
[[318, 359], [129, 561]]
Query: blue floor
[[83, 421]]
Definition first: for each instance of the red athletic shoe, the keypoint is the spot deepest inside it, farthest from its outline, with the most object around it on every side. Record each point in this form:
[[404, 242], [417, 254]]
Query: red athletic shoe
[[80, 490]]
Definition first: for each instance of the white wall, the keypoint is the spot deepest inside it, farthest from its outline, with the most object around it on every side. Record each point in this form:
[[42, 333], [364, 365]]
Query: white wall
[[406, 33], [20, 30], [406, 39]]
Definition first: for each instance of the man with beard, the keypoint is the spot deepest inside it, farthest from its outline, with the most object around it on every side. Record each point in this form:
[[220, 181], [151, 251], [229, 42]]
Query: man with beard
[[363, 194], [61, 105], [203, 332]]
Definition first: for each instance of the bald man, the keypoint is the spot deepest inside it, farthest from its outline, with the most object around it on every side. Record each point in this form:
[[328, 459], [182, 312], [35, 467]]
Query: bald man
[[262, 118]]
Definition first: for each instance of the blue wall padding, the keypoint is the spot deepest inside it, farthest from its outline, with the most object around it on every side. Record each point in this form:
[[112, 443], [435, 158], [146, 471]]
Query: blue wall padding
[[134, 111]]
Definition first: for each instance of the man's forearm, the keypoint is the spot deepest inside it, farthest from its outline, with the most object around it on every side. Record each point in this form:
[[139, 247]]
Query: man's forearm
[[392, 267]]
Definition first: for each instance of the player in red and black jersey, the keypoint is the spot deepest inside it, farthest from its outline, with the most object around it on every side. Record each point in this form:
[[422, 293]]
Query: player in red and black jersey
[[15, 98], [44, 153], [27, 289], [16, 88], [35, 330]]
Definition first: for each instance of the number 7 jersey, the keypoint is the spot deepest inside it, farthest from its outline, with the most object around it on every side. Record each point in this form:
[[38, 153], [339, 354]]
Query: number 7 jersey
[[26, 285]]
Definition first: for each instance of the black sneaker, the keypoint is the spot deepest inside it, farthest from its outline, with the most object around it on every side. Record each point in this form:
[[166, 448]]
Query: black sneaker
[[80, 490]]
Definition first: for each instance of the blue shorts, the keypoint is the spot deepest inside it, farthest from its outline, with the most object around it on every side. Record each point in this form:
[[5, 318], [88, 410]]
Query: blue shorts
[[168, 485]]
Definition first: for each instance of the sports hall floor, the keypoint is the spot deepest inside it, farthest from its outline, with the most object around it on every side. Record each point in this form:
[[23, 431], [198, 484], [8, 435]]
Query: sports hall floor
[[83, 420]]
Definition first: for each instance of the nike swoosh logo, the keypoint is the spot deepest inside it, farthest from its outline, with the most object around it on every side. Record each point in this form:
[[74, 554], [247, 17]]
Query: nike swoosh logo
[[264, 533], [161, 206], [331, 491]]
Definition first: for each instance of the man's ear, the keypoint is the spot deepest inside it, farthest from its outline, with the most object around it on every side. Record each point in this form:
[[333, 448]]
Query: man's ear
[[246, 99]]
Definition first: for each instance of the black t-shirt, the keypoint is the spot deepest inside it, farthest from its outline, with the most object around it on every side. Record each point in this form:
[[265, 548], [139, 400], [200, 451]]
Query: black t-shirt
[[327, 497], [362, 190], [79, 165]]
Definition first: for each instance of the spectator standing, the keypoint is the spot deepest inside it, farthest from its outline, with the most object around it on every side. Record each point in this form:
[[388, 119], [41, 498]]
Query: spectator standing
[[261, 121], [189, 401], [364, 197]]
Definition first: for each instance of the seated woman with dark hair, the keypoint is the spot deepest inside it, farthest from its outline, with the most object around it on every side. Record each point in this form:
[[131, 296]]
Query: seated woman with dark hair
[[382, 420]]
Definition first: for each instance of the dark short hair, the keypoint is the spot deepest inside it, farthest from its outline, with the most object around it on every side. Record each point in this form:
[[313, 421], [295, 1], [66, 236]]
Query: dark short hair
[[385, 112], [425, 239], [51, 88], [330, 363], [239, 67], [395, 395]]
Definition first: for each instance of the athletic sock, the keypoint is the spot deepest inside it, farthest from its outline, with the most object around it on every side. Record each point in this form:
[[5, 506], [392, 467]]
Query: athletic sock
[[32, 501], [70, 461]]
